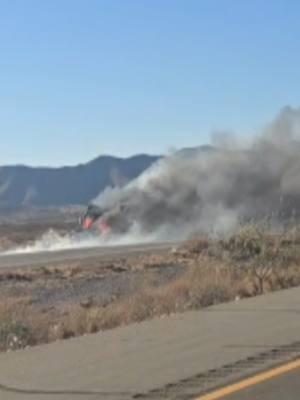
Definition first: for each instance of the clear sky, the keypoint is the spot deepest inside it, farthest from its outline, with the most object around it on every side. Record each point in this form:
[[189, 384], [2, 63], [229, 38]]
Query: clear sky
[[89, 77]]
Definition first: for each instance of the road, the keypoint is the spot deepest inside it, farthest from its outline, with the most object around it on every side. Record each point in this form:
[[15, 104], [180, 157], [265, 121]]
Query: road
[[285, 386], [166, 358], [79, 254]]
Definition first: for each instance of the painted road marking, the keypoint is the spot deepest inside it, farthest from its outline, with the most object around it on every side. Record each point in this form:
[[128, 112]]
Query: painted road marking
[[255, 380]]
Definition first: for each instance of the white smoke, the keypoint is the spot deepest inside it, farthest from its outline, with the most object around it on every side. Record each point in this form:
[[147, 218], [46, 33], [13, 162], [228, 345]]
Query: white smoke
[[214, 190], [54, 241]]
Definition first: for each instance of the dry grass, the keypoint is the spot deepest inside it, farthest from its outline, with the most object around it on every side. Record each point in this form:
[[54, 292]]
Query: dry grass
[[21, 325], [204, 284], [249, 263]]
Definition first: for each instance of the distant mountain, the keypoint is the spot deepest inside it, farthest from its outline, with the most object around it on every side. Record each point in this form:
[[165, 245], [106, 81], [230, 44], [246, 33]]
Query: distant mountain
[[22, 186]]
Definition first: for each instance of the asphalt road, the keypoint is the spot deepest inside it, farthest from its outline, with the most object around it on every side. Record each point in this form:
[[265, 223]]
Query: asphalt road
[[160, 359], [284, 387], [79, 254]]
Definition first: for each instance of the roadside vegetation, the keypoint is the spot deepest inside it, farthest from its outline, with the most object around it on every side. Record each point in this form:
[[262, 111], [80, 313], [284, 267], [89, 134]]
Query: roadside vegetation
[[251, 262]]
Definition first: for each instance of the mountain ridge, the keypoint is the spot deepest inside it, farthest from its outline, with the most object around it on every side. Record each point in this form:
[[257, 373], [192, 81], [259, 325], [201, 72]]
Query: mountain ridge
[[23, 185]]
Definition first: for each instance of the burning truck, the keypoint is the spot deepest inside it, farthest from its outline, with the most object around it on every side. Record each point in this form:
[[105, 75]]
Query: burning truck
[[106, 221]]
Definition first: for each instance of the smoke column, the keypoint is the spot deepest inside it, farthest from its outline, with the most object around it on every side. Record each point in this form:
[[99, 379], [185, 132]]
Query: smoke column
[[213, 190]]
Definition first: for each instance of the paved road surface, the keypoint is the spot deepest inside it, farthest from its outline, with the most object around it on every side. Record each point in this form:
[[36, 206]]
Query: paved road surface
[[48, 257], [284, 387], [139, 358]]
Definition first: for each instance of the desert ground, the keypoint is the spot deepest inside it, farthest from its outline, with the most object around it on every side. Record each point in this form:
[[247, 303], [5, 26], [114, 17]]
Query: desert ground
[[59, 300]]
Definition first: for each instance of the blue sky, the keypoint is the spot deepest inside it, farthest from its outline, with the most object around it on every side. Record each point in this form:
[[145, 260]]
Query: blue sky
[[83, 78]]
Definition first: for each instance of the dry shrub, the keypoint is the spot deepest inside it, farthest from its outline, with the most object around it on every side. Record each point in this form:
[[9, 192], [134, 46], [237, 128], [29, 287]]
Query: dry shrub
[[210, 283], [196, 245], [20, 324], [249, 242], [283, 278], [264, 257], [204, 284]]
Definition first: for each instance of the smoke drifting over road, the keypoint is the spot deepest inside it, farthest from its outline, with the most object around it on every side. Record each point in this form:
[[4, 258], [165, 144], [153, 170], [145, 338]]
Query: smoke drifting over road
[[213, 190], [54, 241]]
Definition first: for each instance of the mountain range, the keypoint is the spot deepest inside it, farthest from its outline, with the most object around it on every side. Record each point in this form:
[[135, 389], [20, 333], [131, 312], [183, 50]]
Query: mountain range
[[23, 186]]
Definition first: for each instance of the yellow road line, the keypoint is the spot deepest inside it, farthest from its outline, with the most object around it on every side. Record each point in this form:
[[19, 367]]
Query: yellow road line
[[259, 378]]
